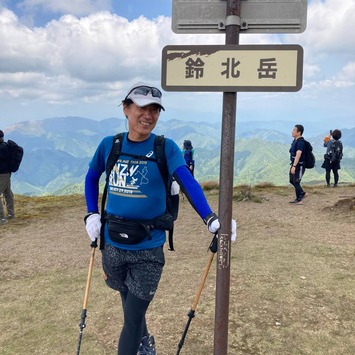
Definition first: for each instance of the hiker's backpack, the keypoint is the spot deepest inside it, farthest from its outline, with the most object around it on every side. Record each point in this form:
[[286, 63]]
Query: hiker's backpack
[[336, 151], [309, 158], [16, 154], [172, 201]]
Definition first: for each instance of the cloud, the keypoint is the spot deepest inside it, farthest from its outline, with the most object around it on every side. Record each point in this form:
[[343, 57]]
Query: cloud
[[310, 70], [329, 49], [330, 27], [92, 55], [348, 72], [76, 7], [101, 49]]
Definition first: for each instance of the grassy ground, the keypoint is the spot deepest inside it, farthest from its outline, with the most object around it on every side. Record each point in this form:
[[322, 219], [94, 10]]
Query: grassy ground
[[292, 274]]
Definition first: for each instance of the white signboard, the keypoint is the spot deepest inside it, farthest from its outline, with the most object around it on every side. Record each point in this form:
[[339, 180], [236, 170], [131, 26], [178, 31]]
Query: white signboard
[[232, 68]]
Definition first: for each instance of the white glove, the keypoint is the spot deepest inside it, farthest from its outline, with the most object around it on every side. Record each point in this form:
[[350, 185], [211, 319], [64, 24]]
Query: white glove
[[93, 226], [234, 230], [214, 225], [175, 188]]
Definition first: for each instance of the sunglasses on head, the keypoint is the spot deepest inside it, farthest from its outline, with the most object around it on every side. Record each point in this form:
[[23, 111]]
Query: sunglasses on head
[[145, 90]]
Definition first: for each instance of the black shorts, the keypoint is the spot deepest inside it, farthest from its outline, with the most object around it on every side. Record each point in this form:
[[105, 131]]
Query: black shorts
[[137, 271]]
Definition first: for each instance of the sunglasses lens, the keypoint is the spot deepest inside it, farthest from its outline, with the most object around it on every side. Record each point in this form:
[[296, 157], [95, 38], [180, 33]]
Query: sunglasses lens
[[145, 90], [156, 92]]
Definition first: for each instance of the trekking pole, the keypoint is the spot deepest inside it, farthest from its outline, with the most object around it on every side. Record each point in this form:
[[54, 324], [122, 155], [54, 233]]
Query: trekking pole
[[82, 324], [191, 314]]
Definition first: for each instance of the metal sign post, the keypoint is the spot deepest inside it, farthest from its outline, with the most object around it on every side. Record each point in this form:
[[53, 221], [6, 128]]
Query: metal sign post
[[232, 68], [226, 194]]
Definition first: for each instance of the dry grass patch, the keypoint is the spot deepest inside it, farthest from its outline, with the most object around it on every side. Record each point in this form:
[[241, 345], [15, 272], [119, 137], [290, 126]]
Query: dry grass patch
[[292, 280], [210, 186]]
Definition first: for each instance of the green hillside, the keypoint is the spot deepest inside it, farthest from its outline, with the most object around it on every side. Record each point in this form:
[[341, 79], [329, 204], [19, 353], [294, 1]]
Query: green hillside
[[259, 161]]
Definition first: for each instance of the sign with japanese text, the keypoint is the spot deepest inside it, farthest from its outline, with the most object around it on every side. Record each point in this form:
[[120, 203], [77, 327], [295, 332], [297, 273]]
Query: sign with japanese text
[[232, 68]]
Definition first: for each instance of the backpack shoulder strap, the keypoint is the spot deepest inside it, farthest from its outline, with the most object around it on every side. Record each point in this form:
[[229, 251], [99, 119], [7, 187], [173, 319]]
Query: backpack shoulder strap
[[114, 153], [159, 148], [300, 139], [112, 158]]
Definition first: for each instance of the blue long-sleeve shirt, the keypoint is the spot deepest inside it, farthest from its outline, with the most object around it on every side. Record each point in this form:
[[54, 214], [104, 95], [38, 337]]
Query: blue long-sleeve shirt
[[136, 189]]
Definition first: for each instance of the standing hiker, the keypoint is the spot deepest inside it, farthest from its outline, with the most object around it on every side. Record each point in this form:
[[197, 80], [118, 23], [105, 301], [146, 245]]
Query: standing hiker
[[297, 157], [333, 156], [5, 182], [188, 153], [133, 257]]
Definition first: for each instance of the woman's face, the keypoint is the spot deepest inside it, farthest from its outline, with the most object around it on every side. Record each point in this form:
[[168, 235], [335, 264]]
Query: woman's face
[[141, 120]]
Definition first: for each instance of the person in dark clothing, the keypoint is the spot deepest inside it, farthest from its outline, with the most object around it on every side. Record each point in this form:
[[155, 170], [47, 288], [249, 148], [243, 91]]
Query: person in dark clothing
[[188, 153], [136, 191], [331, 164], [297, 169], [5, 182]]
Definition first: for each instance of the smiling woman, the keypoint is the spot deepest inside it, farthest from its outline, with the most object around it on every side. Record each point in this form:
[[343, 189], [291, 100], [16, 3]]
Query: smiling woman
[[132, 224]]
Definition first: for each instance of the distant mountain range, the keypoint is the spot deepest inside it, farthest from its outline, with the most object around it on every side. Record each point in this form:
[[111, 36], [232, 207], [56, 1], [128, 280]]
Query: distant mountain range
[[58, 150]]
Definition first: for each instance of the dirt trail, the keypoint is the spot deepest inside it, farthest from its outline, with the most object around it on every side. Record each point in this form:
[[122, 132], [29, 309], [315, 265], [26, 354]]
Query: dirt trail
[[283, 252]]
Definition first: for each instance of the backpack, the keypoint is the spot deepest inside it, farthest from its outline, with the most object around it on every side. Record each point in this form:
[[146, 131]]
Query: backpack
[[309, 158], [172, 201], [336, 151], [16, 154]]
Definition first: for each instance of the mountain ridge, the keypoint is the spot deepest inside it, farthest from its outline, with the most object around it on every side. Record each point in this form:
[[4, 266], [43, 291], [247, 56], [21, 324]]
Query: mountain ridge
[[58, 151]]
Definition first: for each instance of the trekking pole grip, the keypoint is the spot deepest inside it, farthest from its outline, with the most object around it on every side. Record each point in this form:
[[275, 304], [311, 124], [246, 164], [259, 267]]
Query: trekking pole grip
[[214, 244]]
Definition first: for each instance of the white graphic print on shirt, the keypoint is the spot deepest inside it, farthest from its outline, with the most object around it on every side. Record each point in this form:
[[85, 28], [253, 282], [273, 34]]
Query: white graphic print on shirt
[[128, 176]]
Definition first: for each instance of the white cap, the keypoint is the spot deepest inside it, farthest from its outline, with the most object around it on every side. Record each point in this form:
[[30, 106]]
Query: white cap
[[141, 97]]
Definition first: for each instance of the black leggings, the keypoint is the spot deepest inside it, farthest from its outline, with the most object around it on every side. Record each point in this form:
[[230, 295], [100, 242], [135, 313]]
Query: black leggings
[[327, 176], [134, 326]]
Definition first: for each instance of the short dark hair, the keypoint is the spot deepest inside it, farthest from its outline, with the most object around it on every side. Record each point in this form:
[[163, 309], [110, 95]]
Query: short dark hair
[[187, 145], [128, 102], [336, 134], [300, 128]]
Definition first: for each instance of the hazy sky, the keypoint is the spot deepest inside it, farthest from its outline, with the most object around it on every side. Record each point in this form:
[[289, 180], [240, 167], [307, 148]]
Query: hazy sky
[[78, 58]]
